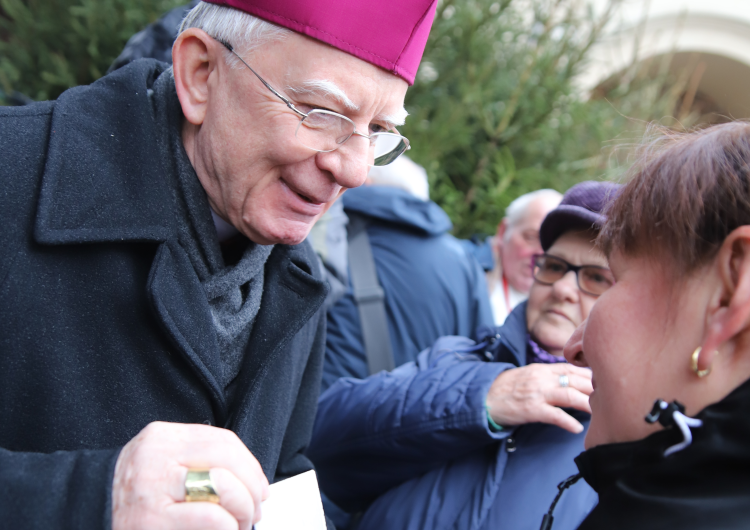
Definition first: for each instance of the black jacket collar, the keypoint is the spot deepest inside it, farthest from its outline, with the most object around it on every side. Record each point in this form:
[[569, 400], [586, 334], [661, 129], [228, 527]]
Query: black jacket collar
[[103, 179], [706, 485]]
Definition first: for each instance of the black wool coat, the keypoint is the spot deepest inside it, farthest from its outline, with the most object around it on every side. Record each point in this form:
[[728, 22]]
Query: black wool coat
[[104, 326]]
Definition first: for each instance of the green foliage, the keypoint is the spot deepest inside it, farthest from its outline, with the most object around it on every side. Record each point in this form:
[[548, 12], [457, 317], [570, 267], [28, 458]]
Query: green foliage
[[47, 46], [495, 111]]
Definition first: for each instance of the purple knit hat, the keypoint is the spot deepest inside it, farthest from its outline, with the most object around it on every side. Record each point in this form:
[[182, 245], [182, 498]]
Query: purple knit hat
[[582, 207], [390, 34]]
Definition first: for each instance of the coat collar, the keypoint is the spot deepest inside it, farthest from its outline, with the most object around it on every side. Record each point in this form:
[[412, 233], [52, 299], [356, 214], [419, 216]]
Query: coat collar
[[719, 445], [103, 180], [507, 342]]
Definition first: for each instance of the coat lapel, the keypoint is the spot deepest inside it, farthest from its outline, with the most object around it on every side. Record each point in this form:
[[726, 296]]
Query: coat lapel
[[291, 296], [103, 177], [104, 182], [180, 304]]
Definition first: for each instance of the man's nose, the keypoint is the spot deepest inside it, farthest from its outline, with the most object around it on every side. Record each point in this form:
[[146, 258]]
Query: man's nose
[[349, 164]]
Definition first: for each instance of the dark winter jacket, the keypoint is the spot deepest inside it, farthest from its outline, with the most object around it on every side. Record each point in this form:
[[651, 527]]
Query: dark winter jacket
[[705, 486], [433, 287], [417, 442], [105, 326]]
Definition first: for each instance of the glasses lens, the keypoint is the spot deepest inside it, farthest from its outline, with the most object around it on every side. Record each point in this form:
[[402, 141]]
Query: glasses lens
[[323, 130], [388, 147], [549, 269], [595, 280]]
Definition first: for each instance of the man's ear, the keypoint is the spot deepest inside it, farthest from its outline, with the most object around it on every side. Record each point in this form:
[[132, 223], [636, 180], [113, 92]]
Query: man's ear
[[194, 57], [731, 315], [501, 229]]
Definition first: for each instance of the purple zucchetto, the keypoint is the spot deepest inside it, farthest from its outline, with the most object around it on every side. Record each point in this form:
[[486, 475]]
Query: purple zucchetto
[[582, 207], [390, 34]]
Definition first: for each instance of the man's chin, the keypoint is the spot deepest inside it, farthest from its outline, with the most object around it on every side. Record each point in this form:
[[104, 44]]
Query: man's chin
[[281, 234]]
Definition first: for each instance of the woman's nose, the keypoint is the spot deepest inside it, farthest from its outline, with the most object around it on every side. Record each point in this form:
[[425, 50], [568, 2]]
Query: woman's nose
[[573, 350], [566, 288]]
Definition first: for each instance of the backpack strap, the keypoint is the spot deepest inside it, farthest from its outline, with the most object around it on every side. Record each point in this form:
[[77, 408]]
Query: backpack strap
[[369, 297]]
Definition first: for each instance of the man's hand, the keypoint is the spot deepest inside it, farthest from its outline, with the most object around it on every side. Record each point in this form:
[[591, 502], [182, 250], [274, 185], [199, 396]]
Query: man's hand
[[533, 394], [149, 484]]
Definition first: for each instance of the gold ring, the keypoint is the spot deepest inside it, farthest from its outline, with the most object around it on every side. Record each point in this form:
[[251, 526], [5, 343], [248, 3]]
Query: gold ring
[[199, 487]]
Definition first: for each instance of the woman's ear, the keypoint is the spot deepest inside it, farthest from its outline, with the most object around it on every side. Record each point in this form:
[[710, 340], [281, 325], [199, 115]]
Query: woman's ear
[[731, 315], [194, 57]]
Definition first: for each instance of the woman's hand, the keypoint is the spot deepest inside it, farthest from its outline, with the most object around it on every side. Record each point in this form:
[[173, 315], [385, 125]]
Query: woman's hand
[[533, 393]]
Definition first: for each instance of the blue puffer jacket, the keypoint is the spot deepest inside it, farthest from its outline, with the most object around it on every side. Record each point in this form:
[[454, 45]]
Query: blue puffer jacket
[[413, 447], [433, 286]]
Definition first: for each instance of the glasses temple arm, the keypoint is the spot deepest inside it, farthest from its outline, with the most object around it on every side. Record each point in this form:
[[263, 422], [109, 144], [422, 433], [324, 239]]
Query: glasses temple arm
[[269, 87]]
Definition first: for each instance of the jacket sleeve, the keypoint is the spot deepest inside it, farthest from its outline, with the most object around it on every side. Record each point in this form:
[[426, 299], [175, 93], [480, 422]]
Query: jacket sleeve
[[65, 489], [373, 434]]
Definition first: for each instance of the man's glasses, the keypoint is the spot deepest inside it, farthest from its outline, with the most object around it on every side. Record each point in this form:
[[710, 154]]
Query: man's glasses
[[592, 279], [325, 131]]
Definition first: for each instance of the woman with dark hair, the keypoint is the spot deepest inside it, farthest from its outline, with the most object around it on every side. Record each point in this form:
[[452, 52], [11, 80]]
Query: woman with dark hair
[[669, 343]]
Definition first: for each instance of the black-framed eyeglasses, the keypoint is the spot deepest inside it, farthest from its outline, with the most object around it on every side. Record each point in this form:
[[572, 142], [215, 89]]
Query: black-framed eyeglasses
[[325, 131], [592, 279]]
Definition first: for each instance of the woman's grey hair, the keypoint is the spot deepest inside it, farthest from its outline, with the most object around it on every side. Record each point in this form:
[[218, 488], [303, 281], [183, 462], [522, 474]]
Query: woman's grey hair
[[242, 30]]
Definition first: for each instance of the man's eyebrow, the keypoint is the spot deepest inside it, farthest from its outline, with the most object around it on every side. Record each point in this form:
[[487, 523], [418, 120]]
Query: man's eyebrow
[[394, 120], [325, 88]]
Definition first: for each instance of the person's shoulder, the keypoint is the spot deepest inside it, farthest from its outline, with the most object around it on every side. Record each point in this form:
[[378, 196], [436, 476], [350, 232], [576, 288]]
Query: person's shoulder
[[41, 108], [24, 135]]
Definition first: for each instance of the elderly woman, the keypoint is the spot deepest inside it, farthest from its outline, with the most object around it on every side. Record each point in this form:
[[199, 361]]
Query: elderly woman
[[675, 328], [474, 435]]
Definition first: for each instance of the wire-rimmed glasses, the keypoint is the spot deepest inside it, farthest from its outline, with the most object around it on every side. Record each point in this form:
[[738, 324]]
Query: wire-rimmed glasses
[[592, 279], [325, 131]]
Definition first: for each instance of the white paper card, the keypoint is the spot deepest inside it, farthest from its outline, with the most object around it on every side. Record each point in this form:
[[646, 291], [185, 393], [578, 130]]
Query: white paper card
[[294, 504]]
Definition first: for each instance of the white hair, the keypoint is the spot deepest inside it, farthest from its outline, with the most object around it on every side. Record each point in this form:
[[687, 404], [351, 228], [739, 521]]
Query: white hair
[[242, 30], [516, 210], [402, 173], [324, 88]]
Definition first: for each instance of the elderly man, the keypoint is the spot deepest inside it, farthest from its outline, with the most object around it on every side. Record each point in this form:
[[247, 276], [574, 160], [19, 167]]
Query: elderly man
[[517, 240], [160, 318]]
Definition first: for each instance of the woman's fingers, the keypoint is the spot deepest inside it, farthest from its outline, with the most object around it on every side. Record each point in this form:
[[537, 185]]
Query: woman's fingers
[[533, 393], [570, 398], [557, 416]]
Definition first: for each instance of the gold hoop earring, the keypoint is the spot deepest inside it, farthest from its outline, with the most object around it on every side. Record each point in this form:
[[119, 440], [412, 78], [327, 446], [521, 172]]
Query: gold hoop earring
[[694, 364]]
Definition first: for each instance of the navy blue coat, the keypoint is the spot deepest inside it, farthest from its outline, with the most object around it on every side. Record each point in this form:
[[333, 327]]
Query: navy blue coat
[[104, 325], [414, 445], [433, 287]]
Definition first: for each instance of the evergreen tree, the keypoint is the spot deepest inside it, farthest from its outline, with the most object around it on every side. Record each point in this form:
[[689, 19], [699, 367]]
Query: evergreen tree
[[47, 46], [495, 111]]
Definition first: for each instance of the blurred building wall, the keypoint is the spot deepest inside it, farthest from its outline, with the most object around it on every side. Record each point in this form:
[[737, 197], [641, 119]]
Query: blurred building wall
[[709, 38]]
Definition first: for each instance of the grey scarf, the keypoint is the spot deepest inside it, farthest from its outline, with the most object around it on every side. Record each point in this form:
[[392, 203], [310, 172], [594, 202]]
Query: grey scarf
[[234, 293]]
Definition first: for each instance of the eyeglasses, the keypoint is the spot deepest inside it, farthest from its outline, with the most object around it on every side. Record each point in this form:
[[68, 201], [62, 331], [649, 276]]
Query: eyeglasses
[[592, 279], [325, 131]]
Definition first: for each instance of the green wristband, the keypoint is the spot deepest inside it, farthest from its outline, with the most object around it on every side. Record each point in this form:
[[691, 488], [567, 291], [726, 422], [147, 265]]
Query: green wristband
[[494, 427]]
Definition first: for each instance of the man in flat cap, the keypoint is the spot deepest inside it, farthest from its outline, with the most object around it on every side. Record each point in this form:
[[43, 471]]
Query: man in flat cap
[[161, 335]]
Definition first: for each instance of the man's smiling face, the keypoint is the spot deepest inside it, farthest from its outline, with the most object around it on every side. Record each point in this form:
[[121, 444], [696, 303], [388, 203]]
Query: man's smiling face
[[257, 174]]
